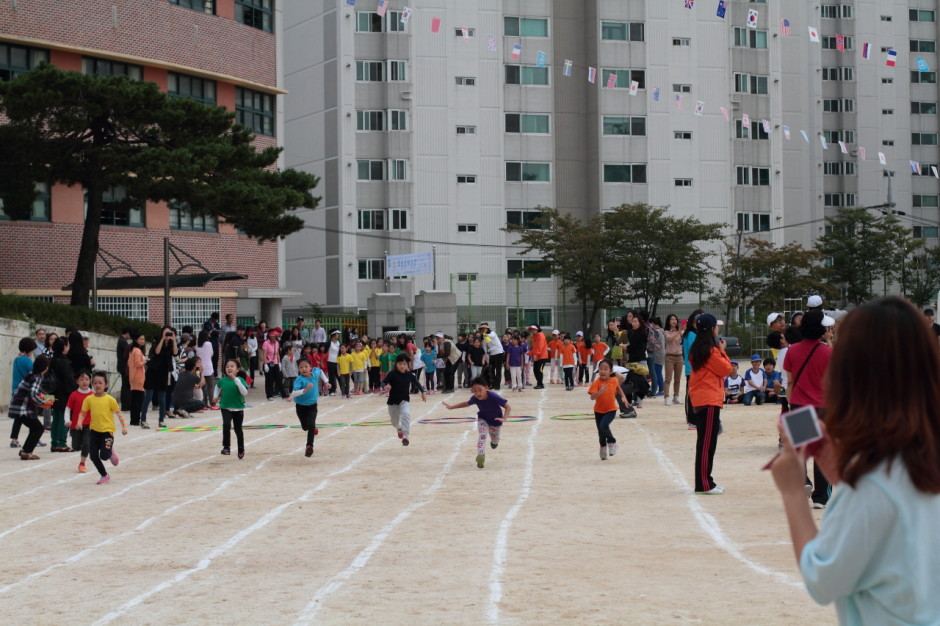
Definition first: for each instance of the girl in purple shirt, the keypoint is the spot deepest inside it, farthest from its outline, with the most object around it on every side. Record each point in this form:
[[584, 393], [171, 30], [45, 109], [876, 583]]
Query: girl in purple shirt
[[492, 412]]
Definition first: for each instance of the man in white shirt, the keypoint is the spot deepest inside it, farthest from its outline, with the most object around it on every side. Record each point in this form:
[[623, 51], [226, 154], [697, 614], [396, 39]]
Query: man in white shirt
[[494, 350], [755, 387], [318, 334]]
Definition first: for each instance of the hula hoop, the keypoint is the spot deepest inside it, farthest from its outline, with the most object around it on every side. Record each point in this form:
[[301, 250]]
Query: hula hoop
[[464, 419], [372, 423], [571, 417]]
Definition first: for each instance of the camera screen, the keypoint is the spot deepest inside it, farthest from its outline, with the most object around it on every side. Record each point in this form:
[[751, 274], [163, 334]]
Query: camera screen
[[802, 426]]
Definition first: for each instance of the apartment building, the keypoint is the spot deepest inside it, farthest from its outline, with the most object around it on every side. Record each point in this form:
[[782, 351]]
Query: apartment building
[[439, 127]]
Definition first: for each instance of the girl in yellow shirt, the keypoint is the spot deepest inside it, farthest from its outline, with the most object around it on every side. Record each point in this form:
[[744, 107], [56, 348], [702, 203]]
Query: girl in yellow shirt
[[344, 363], [375, 364], [102, 409], [359, 358]]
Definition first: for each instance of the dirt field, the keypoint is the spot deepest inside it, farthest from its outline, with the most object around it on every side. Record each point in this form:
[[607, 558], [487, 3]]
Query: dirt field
[[370, 531]]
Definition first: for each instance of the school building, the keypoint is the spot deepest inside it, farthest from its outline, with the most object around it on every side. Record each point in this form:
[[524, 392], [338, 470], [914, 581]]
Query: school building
[[223, 52]]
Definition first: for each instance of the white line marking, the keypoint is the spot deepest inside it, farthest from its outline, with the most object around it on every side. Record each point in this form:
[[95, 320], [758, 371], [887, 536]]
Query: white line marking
[[708, 523], [309, 612], [502, 537]]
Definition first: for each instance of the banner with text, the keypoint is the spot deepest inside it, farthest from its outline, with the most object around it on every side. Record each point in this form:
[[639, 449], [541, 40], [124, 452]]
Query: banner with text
[[409, 264]]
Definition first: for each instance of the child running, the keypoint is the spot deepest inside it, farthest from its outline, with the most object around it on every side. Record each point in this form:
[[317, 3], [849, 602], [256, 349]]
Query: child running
[[306, 394], [79, 429], [230, 393], [399, 382], [492, 412], [604, 391], [102, 409]]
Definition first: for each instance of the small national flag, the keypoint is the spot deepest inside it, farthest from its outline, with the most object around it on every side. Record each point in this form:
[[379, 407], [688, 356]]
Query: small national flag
[[540, 59], [892, 59], [465, 32], [766, 125], [655, 94], [699, 108], [785, 27], [746, 120], [822, 140], [491, 43], [915, 168], [722, 8], [435, 24], [805, 136], [861, 152], [751, 18], [611, 81], [922, 65], [813, 34], [843, 148], [634, 86], [840, 43], [933, 168], [786, 133], [882, 159], [689, 4], [724, 111], [516, 51], [566, 70], [592, 74], [866, 50], [678, 100], [382, 8]]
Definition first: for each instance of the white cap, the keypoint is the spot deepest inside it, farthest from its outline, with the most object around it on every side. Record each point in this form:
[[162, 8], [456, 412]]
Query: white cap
[[772, 318], [83, 333], [439, 334], [828, 321], [555, 332], [579, 334], [814, 301]]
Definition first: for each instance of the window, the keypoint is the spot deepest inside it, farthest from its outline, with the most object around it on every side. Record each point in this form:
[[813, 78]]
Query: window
[[681, 88], [182, 218], [526, 269], [255, 111], [526, 218], [396, 71], [887, 142], [398, 219], [525, 27], [829, 43], [681, 41], [625, 77], [923, 139], [370, 71], [203, 6], [397, 120], [528, 172], [682, 134], [832, 105], [527, 123], [925, 169], [467, 81], [370, 170], [887, 111], [466, 228], [835, 136], [368, 22], [104, 67], [756, 131], [624, 31], [542, 317], [741, 131], [135, 308], [754, 176], [383, 219], [839, 168], [370, 120], [838, 73], [917, 15], [192, 87], [625, 173], [526, 75], [750, 38], [682, 182], [371, 269], [16, 60], [398, 169], [924, 108], [924, 77], [753, 222], [466, 130], [926, 232], [885, 18], [395, 25], [625, 126], [922, 201], [466, 179], [830, 11], [42, 205], [847, 11], [839, 199], [192, 311], [256, 13], [746, 83], [471, 32], [467, 278], [119, 210], [887, 81], [923, 45]]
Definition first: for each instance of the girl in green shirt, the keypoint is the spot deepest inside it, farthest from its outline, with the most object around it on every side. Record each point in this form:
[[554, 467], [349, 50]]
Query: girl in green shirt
[[230, 392]]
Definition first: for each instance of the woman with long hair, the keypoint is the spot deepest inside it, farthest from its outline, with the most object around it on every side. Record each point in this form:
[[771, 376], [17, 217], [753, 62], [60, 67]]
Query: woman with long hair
[[876, 554], [673, 342], [710, 365], [136, 373]]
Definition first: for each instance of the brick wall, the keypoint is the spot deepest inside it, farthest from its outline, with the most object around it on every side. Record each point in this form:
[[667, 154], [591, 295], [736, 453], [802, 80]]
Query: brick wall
[[152, 29]]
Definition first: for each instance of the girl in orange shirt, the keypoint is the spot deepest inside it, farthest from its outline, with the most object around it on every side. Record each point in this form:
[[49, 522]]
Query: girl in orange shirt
[[604, 391], [539, 354], [136, 370], [553, 358], [599, 350], [568, 356], [710, 364], [584, 358]]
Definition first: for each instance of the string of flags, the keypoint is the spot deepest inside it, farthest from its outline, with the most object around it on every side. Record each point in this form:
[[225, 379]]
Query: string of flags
[[699, 110]]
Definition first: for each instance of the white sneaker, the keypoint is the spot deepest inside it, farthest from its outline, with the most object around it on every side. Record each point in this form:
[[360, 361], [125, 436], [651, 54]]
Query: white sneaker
[[714, 491], [675, 400], [611, 449], [668, 401], [603, 453], [638, 404]]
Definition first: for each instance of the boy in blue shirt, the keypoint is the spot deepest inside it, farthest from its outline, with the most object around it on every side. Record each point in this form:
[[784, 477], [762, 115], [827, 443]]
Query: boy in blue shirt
[[429, 357], [306, 394], [773, 380]]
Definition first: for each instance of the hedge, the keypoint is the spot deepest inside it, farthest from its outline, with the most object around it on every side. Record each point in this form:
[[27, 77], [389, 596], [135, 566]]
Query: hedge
[[63, 315]]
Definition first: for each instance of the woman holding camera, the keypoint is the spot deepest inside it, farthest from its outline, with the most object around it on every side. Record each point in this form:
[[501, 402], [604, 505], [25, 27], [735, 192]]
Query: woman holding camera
[[157, 378]]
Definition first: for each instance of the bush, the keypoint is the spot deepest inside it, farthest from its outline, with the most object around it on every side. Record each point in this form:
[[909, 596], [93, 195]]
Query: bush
[[62, 315]]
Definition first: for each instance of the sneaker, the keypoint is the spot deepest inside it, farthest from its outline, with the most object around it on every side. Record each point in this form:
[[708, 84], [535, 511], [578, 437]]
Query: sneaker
[[539, 387], [675, 400], [480, 459], [714, 491], [114, 458], [14, 444], [144, 425], [612, 449], [603, 453], [213, 408], [241, 454], [226, 451], [692, 427], [316, 431], [667, 401], [183, 414], [638, 404], [162, 424], [809, 489], [41, 444], [401, 434], [81, 468], [629, 414], [493, 445], [104, 480], [404, 441], [309, 451], [819, 505]]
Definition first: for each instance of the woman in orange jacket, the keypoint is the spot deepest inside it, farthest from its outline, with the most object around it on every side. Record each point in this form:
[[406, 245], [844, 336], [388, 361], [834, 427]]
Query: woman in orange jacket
[[539, 354], [136, 364], [710, 365]]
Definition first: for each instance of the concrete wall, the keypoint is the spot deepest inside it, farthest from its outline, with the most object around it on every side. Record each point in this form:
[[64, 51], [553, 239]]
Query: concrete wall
[[101, 347]]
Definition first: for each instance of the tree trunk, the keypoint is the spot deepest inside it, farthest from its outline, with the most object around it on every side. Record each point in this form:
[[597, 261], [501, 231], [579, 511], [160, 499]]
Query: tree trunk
[[85, 266]]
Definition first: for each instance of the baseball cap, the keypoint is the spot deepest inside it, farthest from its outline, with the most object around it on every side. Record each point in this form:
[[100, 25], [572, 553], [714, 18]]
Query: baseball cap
[[756, 357], [813, 302], [772, 318], [534, 327], [828, 321], [439, 335], [707, 321], [335, 332], [580, 333], [555, 332], [83, 333]]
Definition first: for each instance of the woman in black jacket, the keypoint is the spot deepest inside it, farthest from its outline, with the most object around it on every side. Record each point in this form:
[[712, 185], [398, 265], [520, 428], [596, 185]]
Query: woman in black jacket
[[61, 382], [636, 351], [157, 376]]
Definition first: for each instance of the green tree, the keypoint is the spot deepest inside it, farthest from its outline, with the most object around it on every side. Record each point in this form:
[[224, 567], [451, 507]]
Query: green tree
[[579, 255], [921, 275], [737, 280], [103, 132], [659, 256]]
